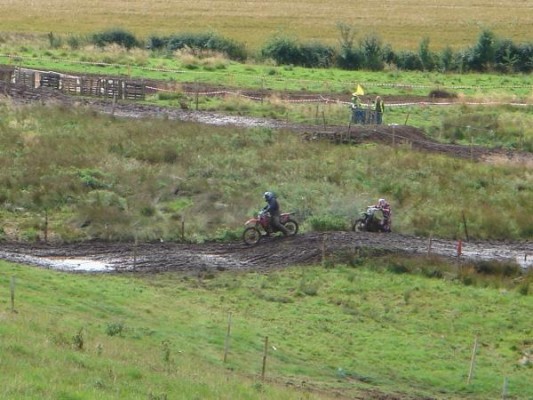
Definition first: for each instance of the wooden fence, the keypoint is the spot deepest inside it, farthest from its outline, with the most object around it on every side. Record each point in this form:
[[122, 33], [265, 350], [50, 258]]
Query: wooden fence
[[116, 88]]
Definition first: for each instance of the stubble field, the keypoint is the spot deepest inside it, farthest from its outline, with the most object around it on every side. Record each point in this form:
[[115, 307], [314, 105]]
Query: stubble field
[[455, 23]]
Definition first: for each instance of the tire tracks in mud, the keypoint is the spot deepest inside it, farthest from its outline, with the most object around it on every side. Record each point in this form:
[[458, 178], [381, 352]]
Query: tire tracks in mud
[[268, 254]]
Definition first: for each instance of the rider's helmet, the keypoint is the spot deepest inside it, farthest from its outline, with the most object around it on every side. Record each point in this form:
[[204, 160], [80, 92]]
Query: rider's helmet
[[382, 203], [268, 196]]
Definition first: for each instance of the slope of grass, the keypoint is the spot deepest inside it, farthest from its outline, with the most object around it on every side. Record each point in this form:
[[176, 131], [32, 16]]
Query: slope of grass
[[81, 175], [341, 330]]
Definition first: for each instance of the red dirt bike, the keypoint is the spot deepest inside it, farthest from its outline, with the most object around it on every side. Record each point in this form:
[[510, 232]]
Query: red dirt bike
[[259, 226]]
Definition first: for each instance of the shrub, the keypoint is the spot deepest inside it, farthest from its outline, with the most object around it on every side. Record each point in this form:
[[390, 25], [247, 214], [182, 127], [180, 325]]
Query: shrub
[[371, 48], [115, 36], [427, 58], [283, 50], [408, 61], [200, 42], [114, 329], [317, 55], [350, 59], [490, 267], [481, 56], [54, 41]]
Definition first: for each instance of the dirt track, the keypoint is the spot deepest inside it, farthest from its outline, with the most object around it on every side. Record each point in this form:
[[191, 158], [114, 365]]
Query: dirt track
[[271, 253]]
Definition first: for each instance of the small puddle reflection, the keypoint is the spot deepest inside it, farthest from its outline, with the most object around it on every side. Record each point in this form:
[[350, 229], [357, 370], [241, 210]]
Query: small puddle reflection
[[79, 265]]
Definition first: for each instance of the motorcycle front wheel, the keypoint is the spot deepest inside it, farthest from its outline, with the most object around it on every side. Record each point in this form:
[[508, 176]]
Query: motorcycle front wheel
[[292, 227], [359, 225], [251, 235]]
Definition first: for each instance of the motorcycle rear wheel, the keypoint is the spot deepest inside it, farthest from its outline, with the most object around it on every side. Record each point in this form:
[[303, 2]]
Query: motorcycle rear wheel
[[292, 227], [251, 235], [359, 225]]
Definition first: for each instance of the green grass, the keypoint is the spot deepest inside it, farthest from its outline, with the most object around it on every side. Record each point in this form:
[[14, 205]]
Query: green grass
[[496, 125], [97, 176], [147, 65], [339, 330]]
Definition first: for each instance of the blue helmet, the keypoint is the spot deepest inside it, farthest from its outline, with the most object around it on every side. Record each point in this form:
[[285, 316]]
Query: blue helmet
[[269, 195]]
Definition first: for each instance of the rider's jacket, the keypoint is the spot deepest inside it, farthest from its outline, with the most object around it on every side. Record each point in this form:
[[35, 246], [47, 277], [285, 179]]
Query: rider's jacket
[[272, 206]]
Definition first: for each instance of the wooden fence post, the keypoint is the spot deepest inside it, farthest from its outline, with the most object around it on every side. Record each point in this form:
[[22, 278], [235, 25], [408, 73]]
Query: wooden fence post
[[265, 352], [46, 226], [472, 362], [465, 227], [12, 288], [324, 250], [135, 243], [197, 94], [504, 390], [226, 344]]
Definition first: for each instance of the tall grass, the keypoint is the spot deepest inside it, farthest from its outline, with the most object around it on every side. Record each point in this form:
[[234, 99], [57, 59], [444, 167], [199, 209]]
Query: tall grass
[[95, 176]]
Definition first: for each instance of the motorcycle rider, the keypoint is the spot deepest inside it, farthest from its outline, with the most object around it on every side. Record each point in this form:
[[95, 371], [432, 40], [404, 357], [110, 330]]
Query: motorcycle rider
[[272, 207], [384, 206]]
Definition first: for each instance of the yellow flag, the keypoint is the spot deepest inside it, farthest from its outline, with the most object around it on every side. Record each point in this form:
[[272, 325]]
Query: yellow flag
[[359, 91]]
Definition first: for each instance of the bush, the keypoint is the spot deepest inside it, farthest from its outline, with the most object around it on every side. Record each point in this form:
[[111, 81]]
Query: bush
[[481, 57], [115, 36], [199, 42], [115, 329], [409, 61], [372, 49], [350, 59], [283, 50], [317, 55]]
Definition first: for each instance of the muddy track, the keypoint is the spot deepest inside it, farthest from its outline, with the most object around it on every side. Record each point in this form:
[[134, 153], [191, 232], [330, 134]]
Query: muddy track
[[270, 253]]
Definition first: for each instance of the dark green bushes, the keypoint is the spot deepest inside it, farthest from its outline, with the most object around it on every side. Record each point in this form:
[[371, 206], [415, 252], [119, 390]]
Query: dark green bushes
[[198, 42], [116, 36], [490, 53], [284, 50]]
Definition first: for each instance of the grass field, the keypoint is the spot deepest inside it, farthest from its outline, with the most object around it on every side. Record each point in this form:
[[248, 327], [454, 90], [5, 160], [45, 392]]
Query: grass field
[[402, 24], [341, 332]]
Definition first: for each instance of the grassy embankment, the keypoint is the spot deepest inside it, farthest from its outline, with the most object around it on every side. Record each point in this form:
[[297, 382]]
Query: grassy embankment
[[87, 175], [339, 330]]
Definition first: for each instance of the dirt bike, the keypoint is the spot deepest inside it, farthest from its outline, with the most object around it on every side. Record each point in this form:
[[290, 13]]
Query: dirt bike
[[370, 220], [259, 226]]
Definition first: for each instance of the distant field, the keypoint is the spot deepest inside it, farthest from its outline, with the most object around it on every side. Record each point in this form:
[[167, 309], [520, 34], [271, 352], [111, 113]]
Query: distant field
[[400, 23]]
